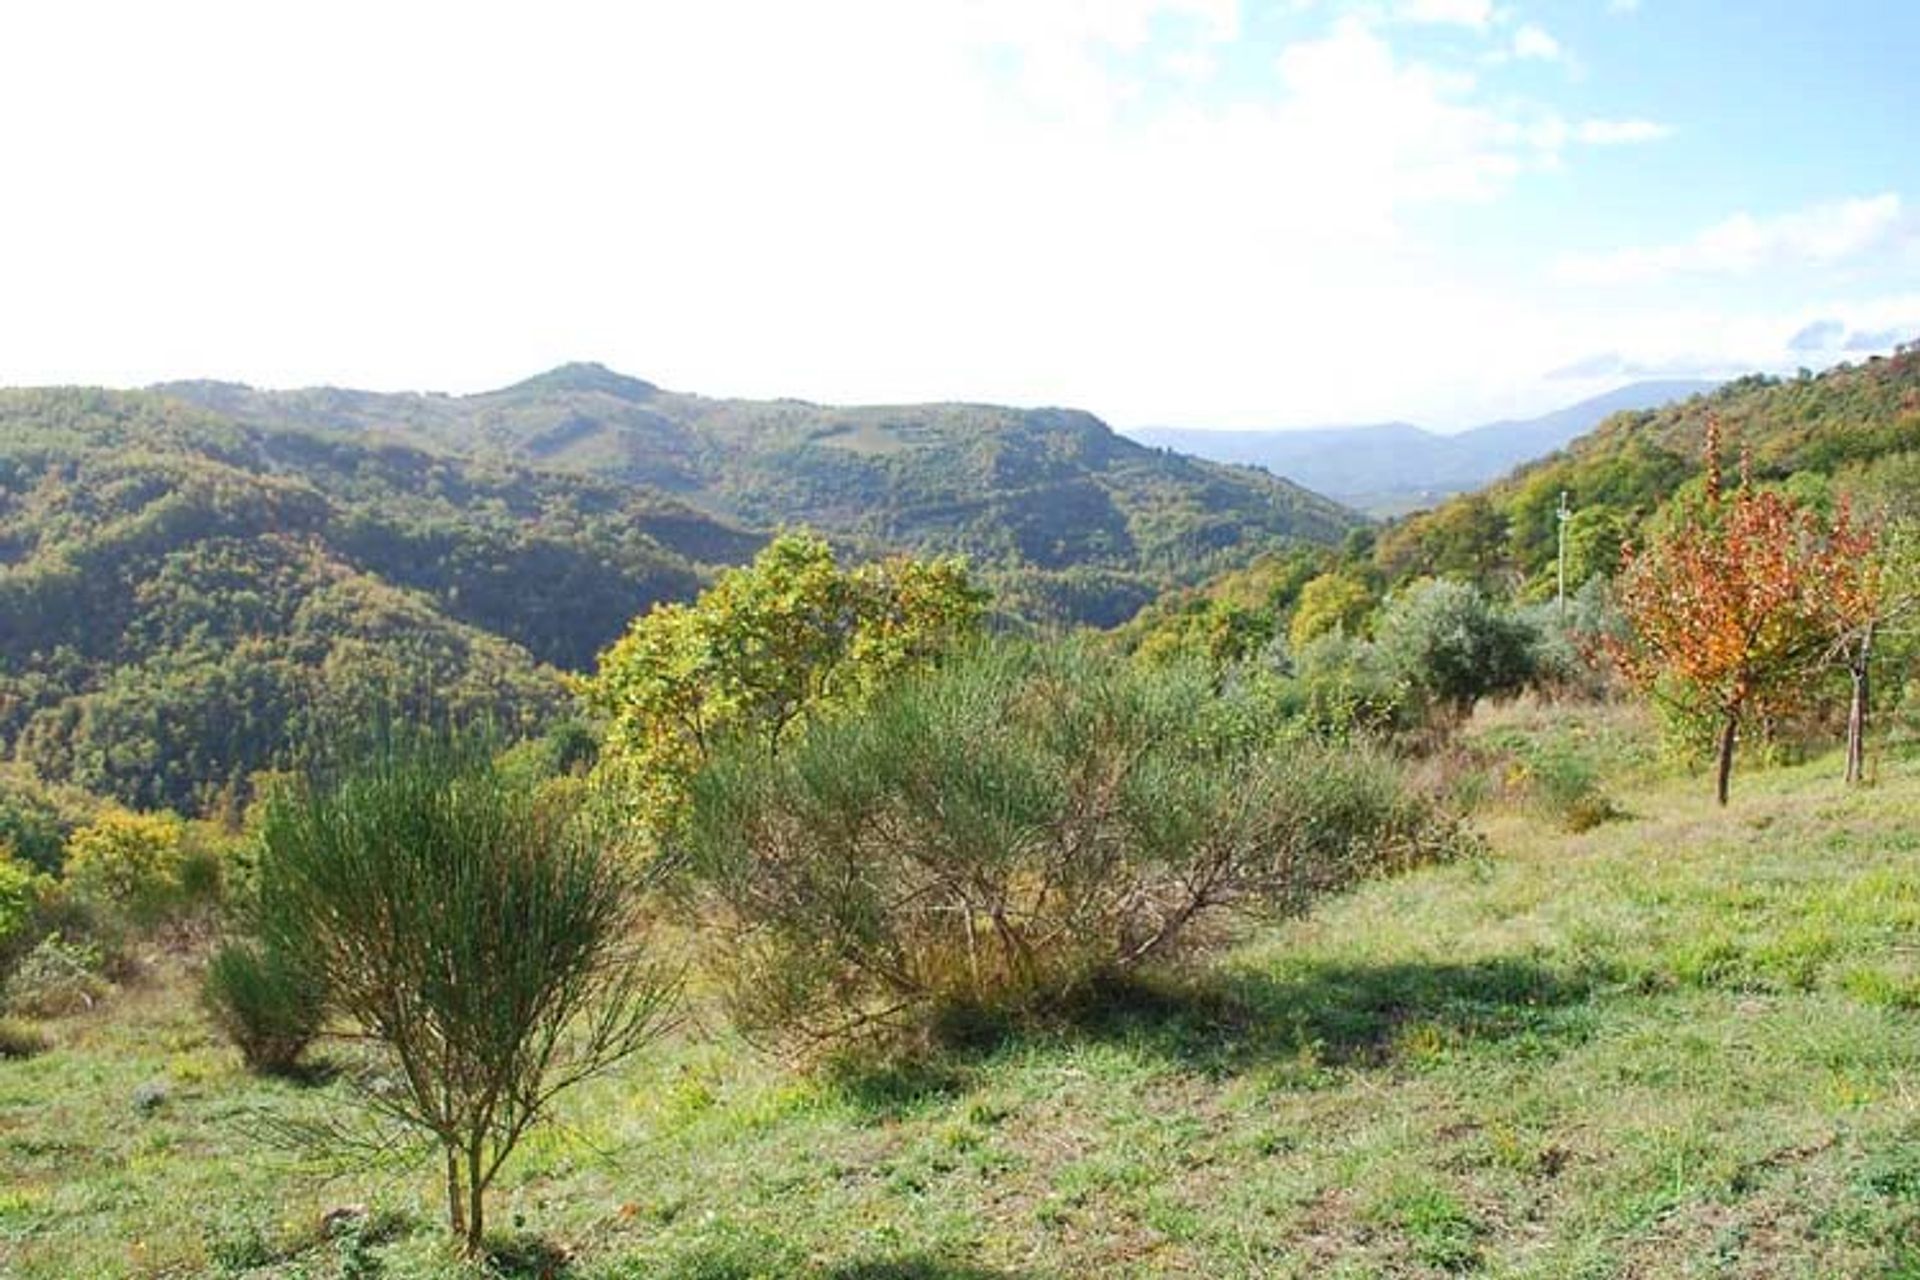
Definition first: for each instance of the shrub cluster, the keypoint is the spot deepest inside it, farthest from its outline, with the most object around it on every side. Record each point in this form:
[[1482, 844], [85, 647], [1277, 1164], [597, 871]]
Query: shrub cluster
[[1012, 827], [1565, 787], [136, 870], [122, 876], [35, 819], [22, 1039], [268, 1004], [22, 890], [55, 979], [1343, 687]]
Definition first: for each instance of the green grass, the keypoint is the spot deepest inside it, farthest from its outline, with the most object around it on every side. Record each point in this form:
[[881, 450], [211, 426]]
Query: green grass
[[1682, 1044]]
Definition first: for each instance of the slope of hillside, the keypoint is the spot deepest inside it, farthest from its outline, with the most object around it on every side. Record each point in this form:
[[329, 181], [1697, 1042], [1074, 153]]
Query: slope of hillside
[[1074, 521], [180, 594], [1856, 426], [1680, 1045], [1394, 467]]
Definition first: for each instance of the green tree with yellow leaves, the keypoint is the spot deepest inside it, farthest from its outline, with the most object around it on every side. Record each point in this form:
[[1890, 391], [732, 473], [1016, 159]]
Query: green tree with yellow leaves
[[766, 646]]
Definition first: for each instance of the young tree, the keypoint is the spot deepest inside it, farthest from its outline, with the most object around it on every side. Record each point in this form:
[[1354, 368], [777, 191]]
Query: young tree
[[477, 931], [1725, 609], [1868, 585], [761, 649]]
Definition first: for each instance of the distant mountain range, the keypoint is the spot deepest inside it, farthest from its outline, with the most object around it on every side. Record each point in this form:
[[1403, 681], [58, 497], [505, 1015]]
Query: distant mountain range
[[1071, 521], [1394, 467]]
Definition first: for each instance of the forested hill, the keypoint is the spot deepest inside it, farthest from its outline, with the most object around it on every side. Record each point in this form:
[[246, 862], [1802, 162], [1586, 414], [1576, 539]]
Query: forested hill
[[1069, 520], [1853, 429], [192, 577], [181, 594]]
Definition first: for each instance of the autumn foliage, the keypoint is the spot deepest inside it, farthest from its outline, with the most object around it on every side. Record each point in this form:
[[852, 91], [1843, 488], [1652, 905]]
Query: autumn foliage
[[1741, 602]]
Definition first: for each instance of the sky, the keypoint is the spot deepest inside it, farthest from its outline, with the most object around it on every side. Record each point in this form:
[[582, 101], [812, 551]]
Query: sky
[[1180, 212]]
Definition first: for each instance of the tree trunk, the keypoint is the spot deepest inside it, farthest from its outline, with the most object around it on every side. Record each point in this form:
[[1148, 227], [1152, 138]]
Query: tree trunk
[[476, 1204], [1728, 733], [1857, 710], [456, 1202]]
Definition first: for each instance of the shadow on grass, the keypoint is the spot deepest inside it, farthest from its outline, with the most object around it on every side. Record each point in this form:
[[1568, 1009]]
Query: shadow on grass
[[890, 1089], [1341, 1014], [914, 1268], [1225, 1023], [751, 1258], [308, 1073], [526, 1256]]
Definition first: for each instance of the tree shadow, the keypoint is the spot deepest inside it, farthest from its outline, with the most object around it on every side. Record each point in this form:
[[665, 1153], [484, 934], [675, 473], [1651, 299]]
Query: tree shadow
[[748, 1258], [1340, 1014], [914, 1267], [1227, 1022], [880, 1088], [307, 1073], [524, 1255]]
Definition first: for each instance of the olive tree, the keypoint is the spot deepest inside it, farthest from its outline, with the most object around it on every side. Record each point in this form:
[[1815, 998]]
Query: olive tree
[[1454, 644], [476, 929]]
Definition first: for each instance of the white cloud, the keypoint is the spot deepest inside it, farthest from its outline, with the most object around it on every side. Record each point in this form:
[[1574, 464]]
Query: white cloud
[[1030, 201], [1462, 13], [1821, 235], [1122, 23], [1442, 134], [1533, 41], [1062, 46], [1705, 341], [1192, 66], [1607, 133]]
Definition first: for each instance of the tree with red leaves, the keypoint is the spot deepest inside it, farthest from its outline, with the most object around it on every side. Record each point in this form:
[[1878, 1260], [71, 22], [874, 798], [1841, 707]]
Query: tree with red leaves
[[1735, 608]]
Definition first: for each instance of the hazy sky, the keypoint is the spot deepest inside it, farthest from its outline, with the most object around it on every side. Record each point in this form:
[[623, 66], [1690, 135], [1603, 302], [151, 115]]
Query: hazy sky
[[1176, 211]]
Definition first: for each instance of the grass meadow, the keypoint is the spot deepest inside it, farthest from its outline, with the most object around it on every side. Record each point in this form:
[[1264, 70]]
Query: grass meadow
[[1682, 1042]]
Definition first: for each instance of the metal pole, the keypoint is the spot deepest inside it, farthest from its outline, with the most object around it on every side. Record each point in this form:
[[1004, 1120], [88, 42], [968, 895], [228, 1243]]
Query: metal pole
[[1561, 516]]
